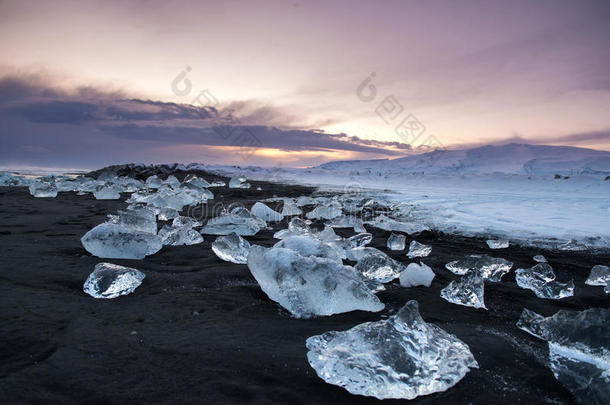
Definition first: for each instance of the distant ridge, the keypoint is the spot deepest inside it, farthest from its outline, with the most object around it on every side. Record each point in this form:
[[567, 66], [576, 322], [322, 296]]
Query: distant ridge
[[511, 158]]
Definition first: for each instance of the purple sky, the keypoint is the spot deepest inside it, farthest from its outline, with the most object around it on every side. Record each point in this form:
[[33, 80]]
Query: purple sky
[[88, 83]]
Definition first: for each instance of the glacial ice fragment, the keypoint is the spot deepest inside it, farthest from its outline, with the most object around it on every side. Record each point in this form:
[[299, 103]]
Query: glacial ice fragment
[[540, 259], [468, 290], [399, 357], [154, 182], [358, 240], [389, 224], [309, 246], [262, 211], [497, 243], [181, 221], [111, 280], [417, 249], [231, 248], [600, 275], [239, 221], [107, 192], [379, 267], [359, 252], [491, 268], [43, 190], [179, 235], [416, 275], [328, 211], [120, 242], [140, 219], [579, 349], [396, 241], [299, 227], [239, 182], [541, 280], [290, 208], [309, 286], [347, 221]]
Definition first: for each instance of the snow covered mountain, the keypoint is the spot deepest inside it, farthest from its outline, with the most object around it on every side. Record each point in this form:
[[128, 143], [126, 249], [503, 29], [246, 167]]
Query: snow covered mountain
[[511, 158]]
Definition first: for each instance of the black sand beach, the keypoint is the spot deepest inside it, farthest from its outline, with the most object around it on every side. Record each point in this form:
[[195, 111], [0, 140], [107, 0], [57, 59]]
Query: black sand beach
[[201, 331]]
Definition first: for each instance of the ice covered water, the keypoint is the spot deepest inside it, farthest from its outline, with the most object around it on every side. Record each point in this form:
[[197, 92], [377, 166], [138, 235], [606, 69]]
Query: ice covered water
[[399, 357], [309, 246], [231, 248], [120, 242], [491, 268], [468, 290], [310, 286], [600, 275], [579, 349], [239, 182], [540, 259], [181, 221], [42, 189], [262, 211], [417, 249], [379, 267], [179, 235], [416, 275], [111, 280], [497, 243], [396, 241], [107, 192], [541, 280]]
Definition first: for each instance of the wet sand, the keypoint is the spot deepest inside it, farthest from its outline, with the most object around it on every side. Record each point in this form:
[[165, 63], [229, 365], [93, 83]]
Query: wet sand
[[200, 330]]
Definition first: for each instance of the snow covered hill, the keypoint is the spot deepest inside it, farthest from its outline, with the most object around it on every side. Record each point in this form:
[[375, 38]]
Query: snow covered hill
[[511, 159]]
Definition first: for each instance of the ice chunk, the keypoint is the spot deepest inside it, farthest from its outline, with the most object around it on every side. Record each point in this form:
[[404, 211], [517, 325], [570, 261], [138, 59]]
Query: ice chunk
[[266, 213], [389, 224], [179, 235], [42, 189], [139, 219], [154, 182], [111, 280], [181, 221], [309, 246], [328, 235], [239, 221], [165, 214], [299, 227], [310, 286], [417, 249], [540, 259], [497, 243], [491, 268], [541, 280], [290, 208], [399, 357], [107, 192], [358, 240], [396, 241], [172, 181], [196, 181], [305, 200], [416, 274], [120, 242], [239, 182], [218, 183], [467, 291], [347, 221], [379, 267], [327, 211], [579, 349], [600, 275], [573, 246], [231, 248]]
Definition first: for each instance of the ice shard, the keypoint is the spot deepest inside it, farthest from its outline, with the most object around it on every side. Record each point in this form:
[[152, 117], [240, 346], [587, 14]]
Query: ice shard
[[262, 211], [497, 243], [540, 259], [541, 280], [107, 192], [358, 240], [239, 221], [290, 208], [179, 235], [600, 275], [120, 242], [416, 275], [111, 280], [181, 221], [468, 290], [309, 246], [579, 349], [396, 241], [389, 224], [491, 268], [140, 219], [379, 267], [347, 221], [326, 211], [231, 248], [239, 182], [42, 189], [401, 357], [309, 286], [417, 249]]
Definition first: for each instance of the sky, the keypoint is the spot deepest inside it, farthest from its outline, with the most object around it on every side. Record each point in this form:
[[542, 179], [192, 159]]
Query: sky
[[296, 83]]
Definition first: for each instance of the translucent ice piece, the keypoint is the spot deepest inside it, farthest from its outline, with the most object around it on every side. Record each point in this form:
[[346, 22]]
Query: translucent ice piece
[[389, 224], [231, 248], [416, 275], [262, 211], [399, 357], [310, 286], [290, 208], [541, 280], [111, 280], [42, 189], [600, 275], [540, 259], [229, 223], [117, 241], [309, 246], [181, 221], [417, 249], [468, 290], [491, 268], [396, 241], [139, 219], [379, 267], [239, 182], [179, 235], [497, 243]]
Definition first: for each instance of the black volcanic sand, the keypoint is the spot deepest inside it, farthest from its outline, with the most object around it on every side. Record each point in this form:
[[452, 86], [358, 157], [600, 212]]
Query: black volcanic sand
[[200, 330]]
